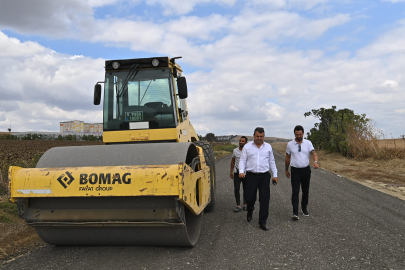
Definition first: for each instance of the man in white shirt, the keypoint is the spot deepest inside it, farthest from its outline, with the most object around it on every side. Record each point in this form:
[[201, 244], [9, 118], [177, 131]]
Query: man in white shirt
[[255, 162], [298, 153], [235, 174]]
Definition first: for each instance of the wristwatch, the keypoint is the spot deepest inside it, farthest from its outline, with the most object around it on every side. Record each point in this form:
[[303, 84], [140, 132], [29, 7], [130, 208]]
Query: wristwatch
[[316, 162]]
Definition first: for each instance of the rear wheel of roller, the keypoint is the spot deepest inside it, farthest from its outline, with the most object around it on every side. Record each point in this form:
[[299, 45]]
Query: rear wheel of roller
[[210, 160]]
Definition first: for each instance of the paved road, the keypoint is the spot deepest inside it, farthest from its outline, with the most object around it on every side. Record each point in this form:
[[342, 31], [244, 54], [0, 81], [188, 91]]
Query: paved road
[[350, 227]]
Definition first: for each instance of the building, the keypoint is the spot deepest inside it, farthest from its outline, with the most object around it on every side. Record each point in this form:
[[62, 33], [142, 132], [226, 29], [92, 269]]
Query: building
[[77, 126], [225, 138]]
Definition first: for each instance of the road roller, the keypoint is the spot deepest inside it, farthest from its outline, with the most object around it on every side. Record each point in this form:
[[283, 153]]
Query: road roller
[[148, 184]]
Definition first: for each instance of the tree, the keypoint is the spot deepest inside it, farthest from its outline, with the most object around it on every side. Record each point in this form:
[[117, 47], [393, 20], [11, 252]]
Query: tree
[[332, 131], [210, 137]]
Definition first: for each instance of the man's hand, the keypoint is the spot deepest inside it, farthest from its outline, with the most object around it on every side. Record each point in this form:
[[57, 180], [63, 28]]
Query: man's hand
[[316, 165], [241, 175], [231, 175], [287, 173], [275, 179]]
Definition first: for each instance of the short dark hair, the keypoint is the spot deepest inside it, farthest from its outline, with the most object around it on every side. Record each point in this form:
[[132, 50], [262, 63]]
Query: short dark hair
[[258, 129], [298, 128], [244, 137]]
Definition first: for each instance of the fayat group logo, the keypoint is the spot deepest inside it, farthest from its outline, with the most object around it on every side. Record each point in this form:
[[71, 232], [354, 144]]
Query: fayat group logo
[[65, 179]]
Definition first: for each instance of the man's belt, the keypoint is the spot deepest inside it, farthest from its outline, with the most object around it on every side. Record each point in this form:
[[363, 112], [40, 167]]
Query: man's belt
[[257, 173]]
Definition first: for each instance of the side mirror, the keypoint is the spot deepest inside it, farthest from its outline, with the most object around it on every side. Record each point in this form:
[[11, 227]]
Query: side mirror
[[97, 94], [182, 87]]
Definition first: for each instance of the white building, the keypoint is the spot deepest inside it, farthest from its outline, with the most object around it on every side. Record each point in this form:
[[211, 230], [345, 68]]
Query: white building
[[78, 126]]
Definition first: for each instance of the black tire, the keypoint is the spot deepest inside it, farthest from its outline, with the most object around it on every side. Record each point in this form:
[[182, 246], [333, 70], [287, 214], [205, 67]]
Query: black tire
[[210, 160]]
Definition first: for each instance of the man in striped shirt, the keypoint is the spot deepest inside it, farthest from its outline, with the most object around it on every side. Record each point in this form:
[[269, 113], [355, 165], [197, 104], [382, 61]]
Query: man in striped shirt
[[255, 162]]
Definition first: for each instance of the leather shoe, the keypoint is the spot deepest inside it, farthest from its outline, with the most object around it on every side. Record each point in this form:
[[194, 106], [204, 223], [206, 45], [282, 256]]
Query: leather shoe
[[264, 227], [249, 216]]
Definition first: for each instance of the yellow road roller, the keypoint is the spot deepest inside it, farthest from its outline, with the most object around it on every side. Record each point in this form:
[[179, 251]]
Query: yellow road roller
[[149, 184]]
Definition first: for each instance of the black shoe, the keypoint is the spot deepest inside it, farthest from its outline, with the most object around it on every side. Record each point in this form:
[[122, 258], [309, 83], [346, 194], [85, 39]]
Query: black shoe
[[264, 227], [305, 212], [295, 216], [237, 209], [249, 216], [244, 208]]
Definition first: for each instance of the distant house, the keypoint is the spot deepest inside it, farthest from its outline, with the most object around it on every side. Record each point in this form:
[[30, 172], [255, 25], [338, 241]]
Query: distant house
[[77, 126], [225, 138]]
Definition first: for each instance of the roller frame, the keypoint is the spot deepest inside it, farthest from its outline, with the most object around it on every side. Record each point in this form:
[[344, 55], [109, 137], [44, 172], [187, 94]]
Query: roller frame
[[174, 182]]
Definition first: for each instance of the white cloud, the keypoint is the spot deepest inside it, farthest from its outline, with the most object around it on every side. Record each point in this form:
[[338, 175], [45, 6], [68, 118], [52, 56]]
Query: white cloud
[[99, 3], [390, 83], [180, 7], [393, 1], [13, 47], [389, 43], [289, 4], [346, 88], [38, 116], [47, 17], [40, 86]]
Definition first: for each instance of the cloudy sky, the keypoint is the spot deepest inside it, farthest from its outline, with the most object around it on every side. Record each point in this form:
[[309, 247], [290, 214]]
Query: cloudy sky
[[248, 63]]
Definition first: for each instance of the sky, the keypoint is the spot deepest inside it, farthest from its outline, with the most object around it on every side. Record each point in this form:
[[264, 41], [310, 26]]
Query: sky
[[247, 63]]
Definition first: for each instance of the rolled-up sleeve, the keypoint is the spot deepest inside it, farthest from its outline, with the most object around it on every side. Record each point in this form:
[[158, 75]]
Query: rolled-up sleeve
[[272, 163], [242, 160]]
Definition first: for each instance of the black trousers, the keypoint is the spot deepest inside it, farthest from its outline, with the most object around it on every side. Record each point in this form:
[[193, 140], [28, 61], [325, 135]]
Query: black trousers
[[253, 183], [236, 183], [300, 177]]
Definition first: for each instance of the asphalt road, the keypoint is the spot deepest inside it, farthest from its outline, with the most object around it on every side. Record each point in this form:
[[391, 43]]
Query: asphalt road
[[350, 227]]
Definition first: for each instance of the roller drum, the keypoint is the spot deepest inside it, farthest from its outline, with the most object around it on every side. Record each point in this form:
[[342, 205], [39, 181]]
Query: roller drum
[[139, 220]]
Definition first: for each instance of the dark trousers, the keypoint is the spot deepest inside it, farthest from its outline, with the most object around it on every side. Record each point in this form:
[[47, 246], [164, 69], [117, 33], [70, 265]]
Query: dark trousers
[[300, 177], [236, 183], [253, 183]]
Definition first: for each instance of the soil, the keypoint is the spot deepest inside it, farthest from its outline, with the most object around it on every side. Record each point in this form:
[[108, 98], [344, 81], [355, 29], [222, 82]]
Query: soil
[[16, 240]]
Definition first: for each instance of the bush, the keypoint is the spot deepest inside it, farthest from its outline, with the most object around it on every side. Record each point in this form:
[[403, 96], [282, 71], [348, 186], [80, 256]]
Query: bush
[[8, 137], [331, 133], [69, 137], [224, 147], [8, 212]]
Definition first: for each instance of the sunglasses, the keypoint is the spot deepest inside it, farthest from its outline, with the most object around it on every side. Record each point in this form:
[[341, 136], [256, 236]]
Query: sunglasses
[[299, 148]]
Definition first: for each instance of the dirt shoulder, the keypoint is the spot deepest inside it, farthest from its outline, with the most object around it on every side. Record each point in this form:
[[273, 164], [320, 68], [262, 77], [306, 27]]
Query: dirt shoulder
[[16, 237], [387, 176]]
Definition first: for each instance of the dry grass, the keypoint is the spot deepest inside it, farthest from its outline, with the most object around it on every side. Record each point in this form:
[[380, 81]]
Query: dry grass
[[369, 142], [392, 143], [222, 149]]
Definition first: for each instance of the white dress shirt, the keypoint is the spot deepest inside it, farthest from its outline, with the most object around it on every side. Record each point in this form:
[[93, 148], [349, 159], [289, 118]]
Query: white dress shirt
[[257, 160], [236, 154], [299, 159]]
